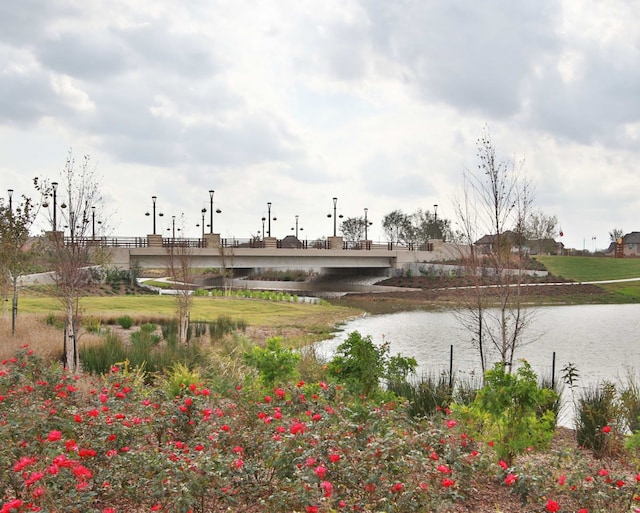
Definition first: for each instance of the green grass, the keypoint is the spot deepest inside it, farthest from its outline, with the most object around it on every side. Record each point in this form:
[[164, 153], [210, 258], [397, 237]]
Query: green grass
[[253, 312], [581, 268]]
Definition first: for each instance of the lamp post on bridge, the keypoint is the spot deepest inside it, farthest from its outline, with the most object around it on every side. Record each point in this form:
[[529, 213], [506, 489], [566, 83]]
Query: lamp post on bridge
[[263, 220], [269, 219], [296, 229], [335, 216], [10, 192], [54, 188], [435, 221], [218, 211], [153, 200]]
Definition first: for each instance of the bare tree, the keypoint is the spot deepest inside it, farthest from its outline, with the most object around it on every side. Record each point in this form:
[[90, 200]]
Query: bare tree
[[397, 227], [68, 248], [496, 201], [15, 254], [179, 267], [615, 234], [540, 229], [353, 228]]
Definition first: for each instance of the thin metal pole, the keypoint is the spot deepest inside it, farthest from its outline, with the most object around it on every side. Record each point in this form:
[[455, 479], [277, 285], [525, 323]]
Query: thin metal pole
[[210, 213], [269, 219], [553, 371], [335, 209], [451, 368]]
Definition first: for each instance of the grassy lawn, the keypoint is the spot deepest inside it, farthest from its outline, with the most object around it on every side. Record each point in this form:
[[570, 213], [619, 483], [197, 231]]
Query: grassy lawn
[[254, 312], [592, 268]]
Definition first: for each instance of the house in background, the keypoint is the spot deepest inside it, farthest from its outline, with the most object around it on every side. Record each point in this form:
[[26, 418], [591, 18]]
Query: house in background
[[630, 246], [486, 245]]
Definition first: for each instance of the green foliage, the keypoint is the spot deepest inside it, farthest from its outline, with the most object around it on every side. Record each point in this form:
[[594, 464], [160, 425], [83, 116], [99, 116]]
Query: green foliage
[[179, 378], [146, 351], [125, 322], [223, 325], [98, 358], [92, 324], [54, 320], [361, 365], [508, 410], [596, 408], [427, 396], [275, 363]]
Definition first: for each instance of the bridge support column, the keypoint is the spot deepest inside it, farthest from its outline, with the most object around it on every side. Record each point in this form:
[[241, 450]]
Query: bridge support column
[[154, 241], [212, 240], [335, 242]]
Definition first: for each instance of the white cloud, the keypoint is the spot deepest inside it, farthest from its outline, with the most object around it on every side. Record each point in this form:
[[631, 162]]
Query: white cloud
[[378, 103]]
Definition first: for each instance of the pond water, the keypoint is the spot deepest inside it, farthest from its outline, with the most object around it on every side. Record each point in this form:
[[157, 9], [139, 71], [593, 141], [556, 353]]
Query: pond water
[[601, 341]]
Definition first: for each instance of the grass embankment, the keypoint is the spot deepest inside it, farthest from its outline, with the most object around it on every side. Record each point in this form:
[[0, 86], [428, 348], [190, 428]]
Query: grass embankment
[[590, 269]]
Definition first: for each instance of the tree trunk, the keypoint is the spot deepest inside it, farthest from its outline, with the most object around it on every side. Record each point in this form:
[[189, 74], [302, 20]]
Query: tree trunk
[[71, 355]]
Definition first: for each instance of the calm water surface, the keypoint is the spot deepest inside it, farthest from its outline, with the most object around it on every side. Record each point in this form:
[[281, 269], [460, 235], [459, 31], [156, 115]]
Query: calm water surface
[[601, 341]]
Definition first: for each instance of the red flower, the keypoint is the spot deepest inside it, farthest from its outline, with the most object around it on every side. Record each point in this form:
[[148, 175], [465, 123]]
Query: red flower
[[312, 509], [333, 458], [603, 472], [327, 488], [54, 436], [320, 471], [552, 506], [398, 487], [444, 469], [448, 482], [156, 507], [606, 429], [510, 479], [503, 464]]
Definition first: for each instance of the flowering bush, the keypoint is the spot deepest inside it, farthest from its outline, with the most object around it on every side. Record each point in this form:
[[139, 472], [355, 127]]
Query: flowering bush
[[119, 444]]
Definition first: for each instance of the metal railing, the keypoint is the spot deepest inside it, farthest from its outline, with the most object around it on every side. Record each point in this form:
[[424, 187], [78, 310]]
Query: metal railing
[[168, 242]]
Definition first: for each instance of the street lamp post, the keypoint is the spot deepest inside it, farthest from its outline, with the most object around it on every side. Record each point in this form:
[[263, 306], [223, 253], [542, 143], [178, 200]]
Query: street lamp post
[[204, 211], [173, 227], [10, 191], [296, 229], [93, 223], [366, 223], [263, 220], [54, 187], [210, 213], [269, 219], [335, 217], [435, 220], [153, 199]]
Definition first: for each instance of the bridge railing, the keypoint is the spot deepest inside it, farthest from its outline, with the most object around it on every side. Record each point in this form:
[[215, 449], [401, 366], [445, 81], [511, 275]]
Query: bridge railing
[[233, 242]]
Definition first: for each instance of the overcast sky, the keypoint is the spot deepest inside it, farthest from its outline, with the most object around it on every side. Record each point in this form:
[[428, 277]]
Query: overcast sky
[[376, 102]]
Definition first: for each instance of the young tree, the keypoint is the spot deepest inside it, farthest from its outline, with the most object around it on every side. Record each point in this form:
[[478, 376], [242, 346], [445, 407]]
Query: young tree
[[497, 201], [179, 267], [15, 256], [352, 228], [397, 227], [68, 248]]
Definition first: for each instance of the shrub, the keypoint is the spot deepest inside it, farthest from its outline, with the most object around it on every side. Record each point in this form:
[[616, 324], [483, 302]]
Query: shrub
[[275, 363], [125, 322], [595, 419], [224, 325], [427, 396], [507, 409], [98, 358], [178, 378], [360, 365]]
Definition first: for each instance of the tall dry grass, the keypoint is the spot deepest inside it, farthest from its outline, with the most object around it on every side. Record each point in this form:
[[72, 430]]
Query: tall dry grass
[[33, 331]]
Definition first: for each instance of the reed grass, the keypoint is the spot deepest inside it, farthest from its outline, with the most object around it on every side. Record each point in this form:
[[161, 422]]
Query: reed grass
[[32, 331]]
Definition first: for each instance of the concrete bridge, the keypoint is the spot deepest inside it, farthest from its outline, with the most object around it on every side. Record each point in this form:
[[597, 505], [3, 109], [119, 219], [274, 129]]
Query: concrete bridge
[[212, 252]]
